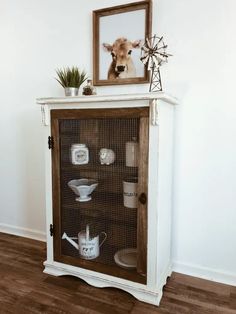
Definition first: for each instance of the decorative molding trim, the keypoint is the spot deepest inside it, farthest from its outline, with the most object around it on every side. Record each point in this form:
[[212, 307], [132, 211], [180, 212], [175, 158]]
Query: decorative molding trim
[[140, 292], [45, 115], [108, 98], [205, 273], [23, 232], [154, 112], [164, 276]]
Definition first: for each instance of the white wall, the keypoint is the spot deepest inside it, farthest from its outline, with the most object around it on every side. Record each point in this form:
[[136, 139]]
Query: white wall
[[39, 36], [202, 74]]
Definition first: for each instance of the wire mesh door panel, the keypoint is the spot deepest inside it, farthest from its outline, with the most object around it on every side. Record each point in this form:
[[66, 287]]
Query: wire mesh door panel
[[98, 171]]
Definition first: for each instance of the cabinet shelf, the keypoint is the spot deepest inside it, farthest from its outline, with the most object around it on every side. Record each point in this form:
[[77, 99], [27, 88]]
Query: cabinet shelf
[[99, 266], [103, 208], [114, 168], [107, 253]]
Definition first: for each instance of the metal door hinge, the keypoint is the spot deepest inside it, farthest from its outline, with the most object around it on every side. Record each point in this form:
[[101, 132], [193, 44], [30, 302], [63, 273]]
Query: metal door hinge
[[50, 142], [51, 230]]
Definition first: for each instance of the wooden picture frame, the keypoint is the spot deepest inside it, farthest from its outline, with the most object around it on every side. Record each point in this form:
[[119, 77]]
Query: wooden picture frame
[[118, 33]]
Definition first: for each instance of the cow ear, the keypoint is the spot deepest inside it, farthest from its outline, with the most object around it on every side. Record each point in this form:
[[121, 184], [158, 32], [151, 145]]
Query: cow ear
[[107, 47], [136, 44]]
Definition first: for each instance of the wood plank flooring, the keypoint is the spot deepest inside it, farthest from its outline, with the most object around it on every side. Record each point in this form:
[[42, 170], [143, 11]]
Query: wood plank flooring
[[25, 289]]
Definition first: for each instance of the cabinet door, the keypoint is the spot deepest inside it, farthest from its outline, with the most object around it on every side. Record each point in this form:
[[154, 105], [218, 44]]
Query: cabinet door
[[100, 222]]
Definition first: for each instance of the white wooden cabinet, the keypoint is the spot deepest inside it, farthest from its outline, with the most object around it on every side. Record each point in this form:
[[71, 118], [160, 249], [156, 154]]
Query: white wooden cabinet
[[109, 122]]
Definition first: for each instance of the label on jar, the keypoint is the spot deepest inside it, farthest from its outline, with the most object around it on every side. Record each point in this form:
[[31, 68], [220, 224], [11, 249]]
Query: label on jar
[[79, 155]]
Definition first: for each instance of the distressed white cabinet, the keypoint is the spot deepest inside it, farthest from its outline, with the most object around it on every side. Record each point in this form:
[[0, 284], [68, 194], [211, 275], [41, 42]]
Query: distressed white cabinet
[[120, 234]]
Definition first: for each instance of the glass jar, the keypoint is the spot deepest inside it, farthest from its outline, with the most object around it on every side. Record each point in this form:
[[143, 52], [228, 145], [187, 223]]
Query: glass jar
[[89, 89], [79, 154]]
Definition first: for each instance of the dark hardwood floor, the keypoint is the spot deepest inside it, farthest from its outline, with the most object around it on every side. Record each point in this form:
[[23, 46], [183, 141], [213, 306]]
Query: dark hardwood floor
[[25, 289]]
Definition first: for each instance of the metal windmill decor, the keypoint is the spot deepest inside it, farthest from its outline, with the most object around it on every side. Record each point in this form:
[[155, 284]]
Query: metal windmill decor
[[153, 54]]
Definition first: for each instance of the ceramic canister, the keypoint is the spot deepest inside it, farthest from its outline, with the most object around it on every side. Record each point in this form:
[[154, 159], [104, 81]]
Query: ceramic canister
[[131, 153], [79, 154], [130, 192]]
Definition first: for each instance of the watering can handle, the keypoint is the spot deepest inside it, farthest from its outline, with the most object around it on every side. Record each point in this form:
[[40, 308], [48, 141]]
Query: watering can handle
[[105, 237]]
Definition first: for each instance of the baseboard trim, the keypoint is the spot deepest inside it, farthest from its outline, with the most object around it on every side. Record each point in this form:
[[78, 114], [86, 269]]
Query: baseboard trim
[[23, 232], [139, 291], [205, 273], [187, 269]]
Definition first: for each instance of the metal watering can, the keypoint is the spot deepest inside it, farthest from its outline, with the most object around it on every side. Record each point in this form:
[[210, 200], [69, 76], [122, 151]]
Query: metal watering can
[[89, 248]]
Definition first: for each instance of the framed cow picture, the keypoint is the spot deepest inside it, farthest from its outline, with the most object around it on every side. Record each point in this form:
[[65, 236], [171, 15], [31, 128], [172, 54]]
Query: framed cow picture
[[118, 34]]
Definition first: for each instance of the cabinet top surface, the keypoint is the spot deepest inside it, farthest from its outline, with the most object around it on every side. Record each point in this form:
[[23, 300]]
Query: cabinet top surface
[[108, 98]]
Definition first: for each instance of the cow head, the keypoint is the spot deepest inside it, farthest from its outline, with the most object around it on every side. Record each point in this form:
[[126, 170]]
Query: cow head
[[121, 51]]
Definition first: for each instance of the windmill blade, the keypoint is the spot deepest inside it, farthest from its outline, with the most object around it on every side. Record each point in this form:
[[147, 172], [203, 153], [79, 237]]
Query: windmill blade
[[160, 39], [144, 53], [145, 59], [154, 39], [162, 47], [163, 55], [156, 45], [146, 49], [162, 58]]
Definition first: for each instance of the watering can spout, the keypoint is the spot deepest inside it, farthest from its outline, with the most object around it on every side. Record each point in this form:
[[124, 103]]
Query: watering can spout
[[65, 237]]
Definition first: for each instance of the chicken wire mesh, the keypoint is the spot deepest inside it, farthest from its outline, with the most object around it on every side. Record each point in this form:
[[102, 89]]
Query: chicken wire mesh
[[105, 212]]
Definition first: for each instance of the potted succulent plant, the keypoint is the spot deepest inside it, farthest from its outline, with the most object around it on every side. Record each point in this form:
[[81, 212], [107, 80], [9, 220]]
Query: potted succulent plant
[[71, 79]]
